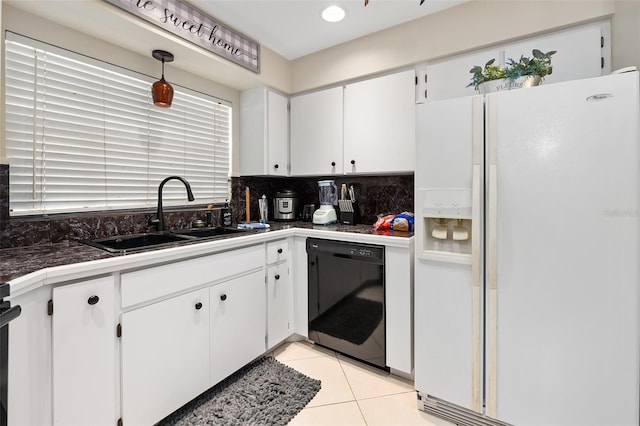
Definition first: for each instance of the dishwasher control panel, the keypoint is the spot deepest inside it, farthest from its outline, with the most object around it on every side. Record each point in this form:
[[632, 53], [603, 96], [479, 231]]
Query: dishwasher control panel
[[345, 249]]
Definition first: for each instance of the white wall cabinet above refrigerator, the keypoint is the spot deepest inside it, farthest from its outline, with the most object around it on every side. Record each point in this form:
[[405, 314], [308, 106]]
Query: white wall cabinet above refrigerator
[[264, 133], [379, 124], [582, 52], [316, 133]]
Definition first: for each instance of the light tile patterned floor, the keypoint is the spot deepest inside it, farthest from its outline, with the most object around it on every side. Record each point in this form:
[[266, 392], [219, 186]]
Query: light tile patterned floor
[[352, 393]]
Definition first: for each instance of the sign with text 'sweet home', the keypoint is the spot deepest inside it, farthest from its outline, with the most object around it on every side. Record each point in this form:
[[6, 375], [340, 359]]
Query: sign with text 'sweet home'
[[190, 24]]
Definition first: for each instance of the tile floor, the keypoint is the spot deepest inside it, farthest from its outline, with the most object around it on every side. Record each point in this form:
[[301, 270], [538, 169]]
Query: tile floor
[[352, 393]]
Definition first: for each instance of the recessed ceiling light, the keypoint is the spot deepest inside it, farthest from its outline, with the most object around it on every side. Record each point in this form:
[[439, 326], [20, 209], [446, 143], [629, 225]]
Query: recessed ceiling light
[[333, 14]]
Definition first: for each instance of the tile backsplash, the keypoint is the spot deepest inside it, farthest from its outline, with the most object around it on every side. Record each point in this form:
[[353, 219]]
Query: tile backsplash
[[375, 194]]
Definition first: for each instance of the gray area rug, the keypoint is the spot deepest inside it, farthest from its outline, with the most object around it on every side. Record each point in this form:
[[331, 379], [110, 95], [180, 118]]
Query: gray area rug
[[265, 392]]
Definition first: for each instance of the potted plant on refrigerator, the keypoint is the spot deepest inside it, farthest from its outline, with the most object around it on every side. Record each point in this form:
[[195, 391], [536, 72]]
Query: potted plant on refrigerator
[[526, 72]]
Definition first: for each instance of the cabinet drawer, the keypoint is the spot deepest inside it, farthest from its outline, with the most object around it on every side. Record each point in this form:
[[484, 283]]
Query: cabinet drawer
[[277, 251], [151, 283]]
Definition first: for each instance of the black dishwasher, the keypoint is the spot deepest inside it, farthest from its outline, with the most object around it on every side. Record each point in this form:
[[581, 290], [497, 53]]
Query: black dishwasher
[[346, 298]]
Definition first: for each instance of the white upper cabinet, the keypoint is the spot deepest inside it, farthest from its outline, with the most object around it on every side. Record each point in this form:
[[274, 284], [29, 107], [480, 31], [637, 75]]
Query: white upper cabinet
[[582, 52], [379, 124], [264, 133], [317, 133], [579, 54], [449, 78]]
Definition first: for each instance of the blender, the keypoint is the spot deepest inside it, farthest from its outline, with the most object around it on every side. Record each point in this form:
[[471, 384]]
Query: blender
[[328, 195]]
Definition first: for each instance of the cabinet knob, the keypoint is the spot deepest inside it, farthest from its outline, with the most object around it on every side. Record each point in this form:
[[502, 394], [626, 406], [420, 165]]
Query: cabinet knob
[[223, 297], [93, 300], [353, 162], [275, 166], [198, 306], [277, 277], [279, 251], [333, 164]]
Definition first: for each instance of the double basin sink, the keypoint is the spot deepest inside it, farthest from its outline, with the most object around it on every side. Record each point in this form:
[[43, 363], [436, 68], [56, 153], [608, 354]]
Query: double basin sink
[[128, 243]]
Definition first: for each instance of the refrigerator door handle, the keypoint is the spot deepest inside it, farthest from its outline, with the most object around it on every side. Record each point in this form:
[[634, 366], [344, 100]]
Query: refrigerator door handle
[[476, 280], [491, 265]]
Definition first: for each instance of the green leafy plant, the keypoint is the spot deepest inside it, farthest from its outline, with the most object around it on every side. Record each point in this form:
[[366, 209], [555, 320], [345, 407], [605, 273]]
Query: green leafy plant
[[488, 73], [539, 64]]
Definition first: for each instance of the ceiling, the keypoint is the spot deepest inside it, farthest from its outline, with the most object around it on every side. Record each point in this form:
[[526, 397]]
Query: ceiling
[[291, 28], [294, 28]]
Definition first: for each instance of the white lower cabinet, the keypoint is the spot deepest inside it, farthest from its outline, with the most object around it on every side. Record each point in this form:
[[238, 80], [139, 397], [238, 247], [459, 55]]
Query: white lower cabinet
[[399, 309], [165, 356], [184, 327], [238, 316], [83, 353], [279, 304]]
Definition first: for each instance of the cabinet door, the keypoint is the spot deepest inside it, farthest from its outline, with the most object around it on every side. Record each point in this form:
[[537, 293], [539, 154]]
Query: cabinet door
[[316, 133], [379, 124], [253, 137], [578, 52], [165, 356], [83, 349], [238, 323], [277, 134], [264, 133], [279, 304], [449, 78]]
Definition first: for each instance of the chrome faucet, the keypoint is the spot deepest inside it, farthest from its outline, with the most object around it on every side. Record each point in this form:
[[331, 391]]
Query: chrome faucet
[[159, 220]]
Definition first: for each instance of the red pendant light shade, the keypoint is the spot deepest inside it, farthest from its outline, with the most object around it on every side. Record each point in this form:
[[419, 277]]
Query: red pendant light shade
[[161, 90]]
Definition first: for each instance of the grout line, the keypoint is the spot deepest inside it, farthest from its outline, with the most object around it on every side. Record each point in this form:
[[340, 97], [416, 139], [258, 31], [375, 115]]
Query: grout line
[[364, 419], [351, 389]]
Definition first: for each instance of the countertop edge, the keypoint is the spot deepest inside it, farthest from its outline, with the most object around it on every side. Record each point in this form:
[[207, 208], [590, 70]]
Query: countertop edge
[[84, 269]]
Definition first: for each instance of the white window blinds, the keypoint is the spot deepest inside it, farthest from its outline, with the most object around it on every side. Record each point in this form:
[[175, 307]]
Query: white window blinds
[[84, 135]]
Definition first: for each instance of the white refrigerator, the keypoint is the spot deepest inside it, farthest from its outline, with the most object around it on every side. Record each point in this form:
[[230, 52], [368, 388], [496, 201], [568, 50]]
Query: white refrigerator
[[528, 255]]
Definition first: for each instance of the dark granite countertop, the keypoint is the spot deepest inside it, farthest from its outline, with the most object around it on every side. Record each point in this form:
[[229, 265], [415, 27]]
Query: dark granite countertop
[[356, 229], [20, 261]]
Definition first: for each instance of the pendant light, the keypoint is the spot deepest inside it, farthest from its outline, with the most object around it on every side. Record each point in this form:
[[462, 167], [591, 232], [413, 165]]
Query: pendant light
[[161, 90]]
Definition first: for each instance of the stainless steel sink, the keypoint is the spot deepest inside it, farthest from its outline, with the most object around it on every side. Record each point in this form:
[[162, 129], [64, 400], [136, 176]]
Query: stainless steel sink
[[127, 243], [209, 232]]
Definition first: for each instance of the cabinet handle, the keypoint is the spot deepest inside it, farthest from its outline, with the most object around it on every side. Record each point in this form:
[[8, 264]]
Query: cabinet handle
[[353, 162], [279, 251], [275, 166], [93, 300], [223, 297], [198, 306], [277, 277], [333, 164]]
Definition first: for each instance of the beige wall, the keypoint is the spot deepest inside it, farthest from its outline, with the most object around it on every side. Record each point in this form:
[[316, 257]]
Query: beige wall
[[473, 25], [625, 34]]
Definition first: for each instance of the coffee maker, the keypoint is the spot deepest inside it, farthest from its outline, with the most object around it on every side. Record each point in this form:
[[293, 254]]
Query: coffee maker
[[328, 195]]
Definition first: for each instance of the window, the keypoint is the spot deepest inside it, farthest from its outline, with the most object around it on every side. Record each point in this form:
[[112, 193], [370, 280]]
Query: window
[[84, 135]]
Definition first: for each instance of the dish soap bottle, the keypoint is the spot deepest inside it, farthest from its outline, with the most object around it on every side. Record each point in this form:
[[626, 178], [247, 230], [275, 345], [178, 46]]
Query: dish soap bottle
[[226, 214]]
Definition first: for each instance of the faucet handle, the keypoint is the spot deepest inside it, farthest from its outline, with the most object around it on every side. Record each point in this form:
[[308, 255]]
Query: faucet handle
[[154, 222]]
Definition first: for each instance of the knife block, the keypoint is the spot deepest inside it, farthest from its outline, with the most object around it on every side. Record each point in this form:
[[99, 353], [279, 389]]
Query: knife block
[[351, 215]]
